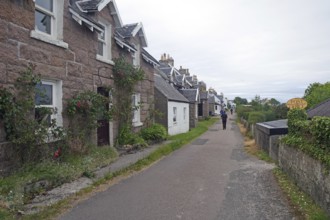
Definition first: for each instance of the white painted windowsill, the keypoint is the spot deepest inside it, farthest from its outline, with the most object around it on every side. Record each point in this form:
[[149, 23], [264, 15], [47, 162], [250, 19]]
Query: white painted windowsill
[[137, 124], [104, 60], [48, 39]]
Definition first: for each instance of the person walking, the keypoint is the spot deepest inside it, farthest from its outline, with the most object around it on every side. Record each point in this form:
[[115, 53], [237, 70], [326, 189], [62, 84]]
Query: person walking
[[224, 120]]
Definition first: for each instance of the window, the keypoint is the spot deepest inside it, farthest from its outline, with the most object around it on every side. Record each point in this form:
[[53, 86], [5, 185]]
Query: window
[[136, 118], [48, 20], [174, 114], [44, 16], [184, 113], [101, 44], [104, 45], [136, 56], [49, 96]]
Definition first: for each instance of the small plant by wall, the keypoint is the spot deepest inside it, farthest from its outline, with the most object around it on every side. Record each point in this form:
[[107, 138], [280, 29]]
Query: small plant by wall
[[155, 133], [126, 76], [24, 124], [84, 110]]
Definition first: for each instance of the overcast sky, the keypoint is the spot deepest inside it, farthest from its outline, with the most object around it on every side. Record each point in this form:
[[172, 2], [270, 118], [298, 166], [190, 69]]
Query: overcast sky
[[271, 48]]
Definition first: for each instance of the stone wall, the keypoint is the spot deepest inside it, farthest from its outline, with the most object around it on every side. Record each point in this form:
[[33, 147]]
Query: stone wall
[[309, 174], [262, 140], [192, 115], [161, 105]]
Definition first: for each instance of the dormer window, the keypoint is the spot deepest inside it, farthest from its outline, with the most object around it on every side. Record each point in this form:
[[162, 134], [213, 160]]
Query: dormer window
[[136, 56], [48, 22], [104, 44]]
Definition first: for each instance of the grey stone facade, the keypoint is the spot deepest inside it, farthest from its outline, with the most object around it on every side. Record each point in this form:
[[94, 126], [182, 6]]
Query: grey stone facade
[[309, 174]]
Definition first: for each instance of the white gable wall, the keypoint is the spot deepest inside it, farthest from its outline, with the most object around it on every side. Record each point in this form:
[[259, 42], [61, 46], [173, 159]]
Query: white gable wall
[[182, 122]]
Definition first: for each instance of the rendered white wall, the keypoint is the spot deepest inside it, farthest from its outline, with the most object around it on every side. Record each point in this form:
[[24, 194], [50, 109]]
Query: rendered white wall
[[182, 124]]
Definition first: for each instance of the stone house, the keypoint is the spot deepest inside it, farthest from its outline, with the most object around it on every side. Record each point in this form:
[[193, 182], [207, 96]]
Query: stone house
[[172, 105], [193, 97], [214, 104], [72, 45], [203, 105]]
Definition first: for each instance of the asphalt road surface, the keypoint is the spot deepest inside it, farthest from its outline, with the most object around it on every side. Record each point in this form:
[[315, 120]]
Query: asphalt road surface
[[211, 178]]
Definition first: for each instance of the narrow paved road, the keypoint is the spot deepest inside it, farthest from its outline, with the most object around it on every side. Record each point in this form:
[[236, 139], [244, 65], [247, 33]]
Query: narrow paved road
[[211, 178]]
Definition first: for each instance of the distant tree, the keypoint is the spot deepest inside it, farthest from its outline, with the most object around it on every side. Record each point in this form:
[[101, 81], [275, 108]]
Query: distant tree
[[240, 101], [273, 102], [281, 111], [311, 88], [317, 93], [256, 103]]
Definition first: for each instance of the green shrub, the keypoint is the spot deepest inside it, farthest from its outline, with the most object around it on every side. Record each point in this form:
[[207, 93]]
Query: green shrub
[[300, 127], [154, 133], [255, 117], [243, 111], [320, 129], [127, 137], [295, 115], [270, 115]]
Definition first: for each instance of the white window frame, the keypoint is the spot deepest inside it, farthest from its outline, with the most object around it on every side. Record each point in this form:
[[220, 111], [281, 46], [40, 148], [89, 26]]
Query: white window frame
[[56, 34], [136, 118], [107, 56], [136, 56], [175, 115], [57, 101], [184, 113]]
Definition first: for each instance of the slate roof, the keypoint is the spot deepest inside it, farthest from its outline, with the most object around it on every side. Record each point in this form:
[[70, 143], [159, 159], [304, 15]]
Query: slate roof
[[130, 30], [204, 95], [165, 69], [168, 91], [126, 31], [89, 5], [322, 109], [178, 79], [190, 94], [161, 73], [83, 11], [149, 58], [189, 79], [211, 99], [74, 6]]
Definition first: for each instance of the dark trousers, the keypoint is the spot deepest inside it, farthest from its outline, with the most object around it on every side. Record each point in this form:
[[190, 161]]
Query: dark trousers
[[224, 123]]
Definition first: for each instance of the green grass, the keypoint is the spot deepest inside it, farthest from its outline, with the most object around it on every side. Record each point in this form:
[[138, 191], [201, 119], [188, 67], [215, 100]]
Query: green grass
[[304, 206], [13, 193], [84, 163]]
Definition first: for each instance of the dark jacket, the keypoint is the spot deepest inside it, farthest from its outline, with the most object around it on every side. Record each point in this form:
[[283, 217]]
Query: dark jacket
[[224, 117]]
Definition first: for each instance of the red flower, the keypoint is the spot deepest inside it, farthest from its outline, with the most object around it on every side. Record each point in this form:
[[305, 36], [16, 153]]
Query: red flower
[[78, 104], [57, 153]]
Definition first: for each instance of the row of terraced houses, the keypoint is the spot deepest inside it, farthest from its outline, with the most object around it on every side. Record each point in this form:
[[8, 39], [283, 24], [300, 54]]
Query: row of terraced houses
[[73, 44]]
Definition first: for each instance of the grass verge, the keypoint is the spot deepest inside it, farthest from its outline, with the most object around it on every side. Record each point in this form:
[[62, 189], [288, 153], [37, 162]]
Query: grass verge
[[177, 142], [303, 206]]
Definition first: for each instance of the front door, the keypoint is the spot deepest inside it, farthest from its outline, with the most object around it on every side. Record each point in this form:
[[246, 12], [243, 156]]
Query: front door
[[103, 133]]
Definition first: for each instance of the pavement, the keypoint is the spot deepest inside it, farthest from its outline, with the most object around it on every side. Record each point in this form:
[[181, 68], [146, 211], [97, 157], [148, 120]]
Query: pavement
[[59, 193], [210, 178]]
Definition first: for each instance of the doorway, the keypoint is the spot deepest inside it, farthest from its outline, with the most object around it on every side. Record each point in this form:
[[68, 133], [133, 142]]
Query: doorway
[[103, 131]]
